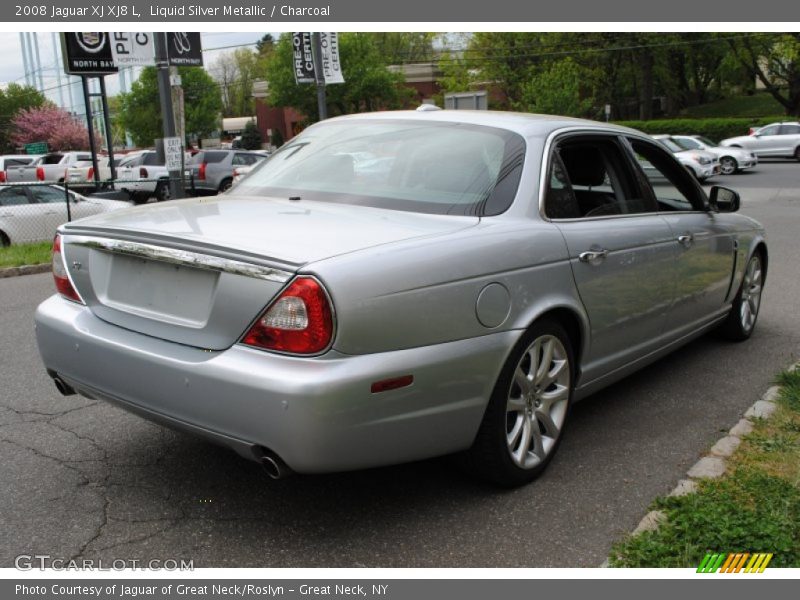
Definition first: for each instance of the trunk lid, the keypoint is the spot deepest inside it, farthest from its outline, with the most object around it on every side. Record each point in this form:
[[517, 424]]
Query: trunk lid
[[199, 271]]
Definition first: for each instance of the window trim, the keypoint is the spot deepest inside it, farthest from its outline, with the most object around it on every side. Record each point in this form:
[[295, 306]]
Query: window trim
[[615, 136]]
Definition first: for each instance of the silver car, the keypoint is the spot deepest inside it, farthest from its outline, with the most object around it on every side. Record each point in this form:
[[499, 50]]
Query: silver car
[[774, 140], [731, 159], [328, 315], [702, 164]]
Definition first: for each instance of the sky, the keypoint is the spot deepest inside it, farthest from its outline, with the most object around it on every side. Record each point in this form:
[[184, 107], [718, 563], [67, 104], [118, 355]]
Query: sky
[[11, 68]]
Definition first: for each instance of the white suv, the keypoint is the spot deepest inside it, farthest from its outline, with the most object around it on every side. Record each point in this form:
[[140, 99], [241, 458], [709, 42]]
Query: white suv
[[776, 139]]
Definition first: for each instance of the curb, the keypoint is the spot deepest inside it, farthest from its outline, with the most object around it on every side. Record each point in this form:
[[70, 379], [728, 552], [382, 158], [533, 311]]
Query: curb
[[713, 465], [24, 270]]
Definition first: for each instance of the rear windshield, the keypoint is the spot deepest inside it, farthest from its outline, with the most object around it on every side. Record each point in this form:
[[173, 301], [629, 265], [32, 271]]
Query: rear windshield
[[212, 156], [51, 159], [439, 168]]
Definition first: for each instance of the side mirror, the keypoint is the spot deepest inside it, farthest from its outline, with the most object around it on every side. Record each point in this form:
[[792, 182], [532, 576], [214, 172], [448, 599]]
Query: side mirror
[[722, 199]]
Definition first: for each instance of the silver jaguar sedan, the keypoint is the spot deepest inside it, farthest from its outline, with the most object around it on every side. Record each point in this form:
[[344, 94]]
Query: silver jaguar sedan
[[395, 286]]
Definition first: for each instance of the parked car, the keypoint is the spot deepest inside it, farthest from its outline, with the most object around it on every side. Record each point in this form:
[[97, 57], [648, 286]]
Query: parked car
[[11, 161], [212, 170], [80, 176], [700, 163], [774, 140], [316, 319], [33, 213], [731, 159], [142, 175], [48, 168]]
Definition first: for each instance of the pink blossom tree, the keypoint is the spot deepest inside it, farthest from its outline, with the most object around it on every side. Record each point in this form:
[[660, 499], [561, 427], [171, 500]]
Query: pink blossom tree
[[49, 124]]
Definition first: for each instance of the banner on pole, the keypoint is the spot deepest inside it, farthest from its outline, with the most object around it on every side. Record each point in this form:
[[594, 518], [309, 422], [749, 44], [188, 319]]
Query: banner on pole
[[133, 49], [303, 57], [331, 66]]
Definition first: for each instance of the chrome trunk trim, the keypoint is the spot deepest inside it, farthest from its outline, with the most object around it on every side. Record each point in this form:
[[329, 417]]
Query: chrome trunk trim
[[179, 257]]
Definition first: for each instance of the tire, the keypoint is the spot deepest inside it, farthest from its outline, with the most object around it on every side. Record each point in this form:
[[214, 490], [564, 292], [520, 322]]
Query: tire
[[225, 185], [139, 197], [728, 165], [520, 431], [742, 319], [162, 192], [797, 153], [4, 241]]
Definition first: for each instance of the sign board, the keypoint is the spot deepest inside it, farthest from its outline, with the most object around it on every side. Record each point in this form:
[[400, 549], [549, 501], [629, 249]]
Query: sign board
[[36, 148], [184, 49], [133, 49], [478, 100], [173, 153], [608, 111], [303, 57], [331, 67], [87, 53]]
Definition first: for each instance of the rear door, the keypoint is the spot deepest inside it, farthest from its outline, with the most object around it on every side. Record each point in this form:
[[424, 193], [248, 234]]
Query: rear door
[[789, 139], [22, 219], [621, 250]]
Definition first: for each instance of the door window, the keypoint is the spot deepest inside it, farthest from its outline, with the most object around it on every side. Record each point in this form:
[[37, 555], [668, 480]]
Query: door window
[[589, 177], [673, 186], [13, 196], [770, 130]]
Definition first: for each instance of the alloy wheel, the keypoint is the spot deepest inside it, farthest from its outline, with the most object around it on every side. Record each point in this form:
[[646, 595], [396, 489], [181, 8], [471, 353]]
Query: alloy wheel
[[537, 402], [751, 293]]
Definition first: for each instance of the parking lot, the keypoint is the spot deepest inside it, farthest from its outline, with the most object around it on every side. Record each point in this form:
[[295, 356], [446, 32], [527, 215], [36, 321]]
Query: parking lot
[[83, 479]]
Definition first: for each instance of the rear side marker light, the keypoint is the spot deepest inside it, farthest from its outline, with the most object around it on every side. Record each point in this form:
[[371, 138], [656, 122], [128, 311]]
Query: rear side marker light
[[63, 284], [391, 384], [299, 321]]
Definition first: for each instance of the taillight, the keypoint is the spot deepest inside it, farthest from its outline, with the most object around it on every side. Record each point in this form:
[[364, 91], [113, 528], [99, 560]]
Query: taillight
[[2, 176], [300, 321], [40, 173], [142, 173], [63, 284], [201, 173], [90, 174]]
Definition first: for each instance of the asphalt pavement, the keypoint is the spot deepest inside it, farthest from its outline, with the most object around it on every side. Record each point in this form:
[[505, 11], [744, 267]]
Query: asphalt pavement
[[82, 479]]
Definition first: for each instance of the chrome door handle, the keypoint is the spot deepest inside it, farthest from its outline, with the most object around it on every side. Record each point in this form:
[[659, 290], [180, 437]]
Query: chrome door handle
[[593, 257], [685, 240]]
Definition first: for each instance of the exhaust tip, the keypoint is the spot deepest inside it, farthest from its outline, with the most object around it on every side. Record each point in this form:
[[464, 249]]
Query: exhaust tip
[[63, 387], [273, 466]]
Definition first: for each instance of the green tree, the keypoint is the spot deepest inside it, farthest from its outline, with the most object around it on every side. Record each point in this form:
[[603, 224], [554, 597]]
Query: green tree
[[251, 137], [774, 60], [140, 112], [13, 99], [369, 84], [556, 89], [265, 45]]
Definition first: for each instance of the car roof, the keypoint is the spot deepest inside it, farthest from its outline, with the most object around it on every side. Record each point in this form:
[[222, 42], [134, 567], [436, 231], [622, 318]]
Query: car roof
[[525, 124]]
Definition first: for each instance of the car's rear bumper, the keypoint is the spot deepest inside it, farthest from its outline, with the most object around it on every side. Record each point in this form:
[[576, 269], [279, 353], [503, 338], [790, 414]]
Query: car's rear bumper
[[317, 414]]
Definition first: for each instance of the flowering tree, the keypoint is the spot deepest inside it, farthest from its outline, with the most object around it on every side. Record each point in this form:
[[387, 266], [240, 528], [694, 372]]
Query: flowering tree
[[49, 124]]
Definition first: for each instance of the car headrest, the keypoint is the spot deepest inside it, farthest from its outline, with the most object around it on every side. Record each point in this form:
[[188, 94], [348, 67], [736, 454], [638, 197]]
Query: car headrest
[[584, 165]]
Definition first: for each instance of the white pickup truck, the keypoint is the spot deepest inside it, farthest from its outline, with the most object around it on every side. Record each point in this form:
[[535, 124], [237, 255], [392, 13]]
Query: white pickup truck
[[141, 175], [49, 168], [80, 176]]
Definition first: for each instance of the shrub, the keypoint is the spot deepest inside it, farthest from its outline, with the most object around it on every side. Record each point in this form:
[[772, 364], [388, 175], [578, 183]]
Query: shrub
[[715, 129]]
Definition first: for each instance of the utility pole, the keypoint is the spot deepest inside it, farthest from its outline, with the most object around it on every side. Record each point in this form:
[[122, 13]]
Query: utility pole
[[319, 75], [167, 115]]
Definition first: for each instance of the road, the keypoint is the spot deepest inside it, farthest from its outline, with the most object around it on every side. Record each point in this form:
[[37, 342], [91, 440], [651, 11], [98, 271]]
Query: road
[[84, 479]]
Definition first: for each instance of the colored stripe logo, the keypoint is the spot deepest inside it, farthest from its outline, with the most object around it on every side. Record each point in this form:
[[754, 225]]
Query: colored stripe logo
[[735, 562]]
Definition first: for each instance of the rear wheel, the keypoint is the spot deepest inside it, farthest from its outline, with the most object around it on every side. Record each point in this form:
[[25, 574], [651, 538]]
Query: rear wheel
[[524, 420], [741, 320], [162, 192], [225, 185], [728, 165], [4, 241], [797, 153]]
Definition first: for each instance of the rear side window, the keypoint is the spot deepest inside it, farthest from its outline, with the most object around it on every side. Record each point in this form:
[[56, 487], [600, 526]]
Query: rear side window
[[13, 196], [591, 177], [790, 129], [209, 156], [151, 159]]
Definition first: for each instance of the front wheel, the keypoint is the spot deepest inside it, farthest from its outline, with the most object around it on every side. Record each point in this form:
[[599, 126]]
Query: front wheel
[[523, 423], [728, 165], [741, 320], [797, 153]]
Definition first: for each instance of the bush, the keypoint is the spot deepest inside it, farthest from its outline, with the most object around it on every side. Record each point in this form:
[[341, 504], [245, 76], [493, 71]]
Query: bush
[[251, 137], [715, 129]]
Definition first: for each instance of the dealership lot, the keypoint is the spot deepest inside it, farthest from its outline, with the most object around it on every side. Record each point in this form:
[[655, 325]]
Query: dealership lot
[[85, 480]]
